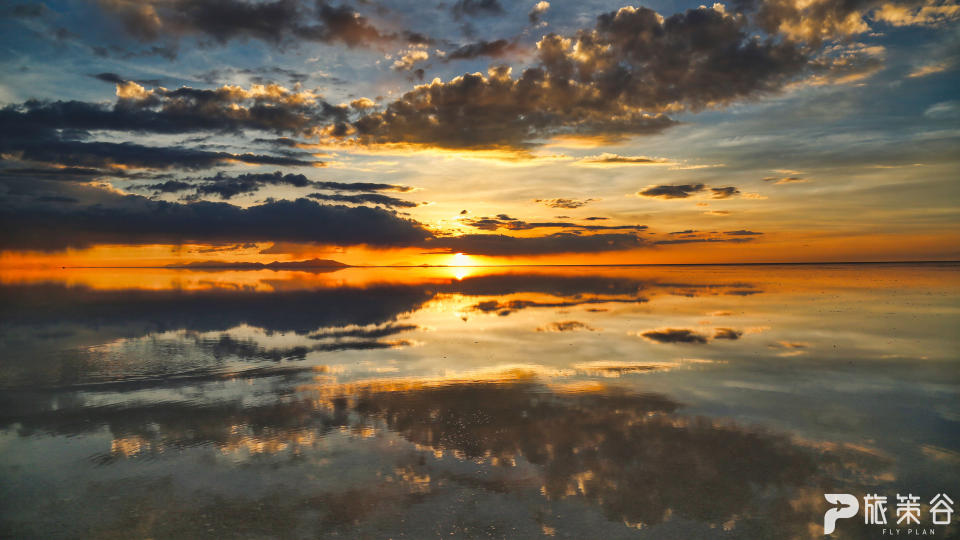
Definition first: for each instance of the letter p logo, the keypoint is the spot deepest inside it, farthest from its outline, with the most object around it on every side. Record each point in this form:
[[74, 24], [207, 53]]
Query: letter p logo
[[850, 507]]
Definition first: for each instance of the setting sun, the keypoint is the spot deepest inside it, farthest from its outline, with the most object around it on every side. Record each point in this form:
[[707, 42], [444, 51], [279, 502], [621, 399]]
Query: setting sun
[[461, 259]]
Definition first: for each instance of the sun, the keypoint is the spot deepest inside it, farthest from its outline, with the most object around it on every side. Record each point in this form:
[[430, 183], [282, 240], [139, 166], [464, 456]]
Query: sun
[[461, 259]]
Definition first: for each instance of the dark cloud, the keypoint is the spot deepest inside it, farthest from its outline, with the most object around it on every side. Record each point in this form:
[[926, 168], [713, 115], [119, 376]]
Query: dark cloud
[[227, 186], [72, 174], [506, 222], [137, 109], [672, 192], [59, 132], [674, 335], [743, 232], [693, 239], [170, 186], [595, 218], [364, 198], [492, 49], [562, 242], [727, 333], [133, 219], [474, 8], [277, 22], [54, 150], [724, 192], [565, 326], [564, 203]]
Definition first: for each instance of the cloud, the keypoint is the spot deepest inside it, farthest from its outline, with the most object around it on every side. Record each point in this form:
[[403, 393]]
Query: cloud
[[51, 215], [54, 150], [133, 219], [506, 222], [724, 192], [619, 79], [928, 13], [742, 232], [410, 57], [785, 180], [616, 159], [674, 335], [492, 49], [562, 242], [228, 108], [475, 8], [681, 191], [372, 198], [113, 78], [944, 109], [170, 186], [564, 203], [59, 132], [227, 186], [277, 22], [727, 333], [565, 326], [930, 69], [538, 10]]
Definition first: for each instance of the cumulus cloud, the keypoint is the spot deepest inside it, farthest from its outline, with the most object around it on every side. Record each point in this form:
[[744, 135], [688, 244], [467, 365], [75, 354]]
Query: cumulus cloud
[[628, 74], [538, 10], [409, 58], [681, 191], [618, 79]]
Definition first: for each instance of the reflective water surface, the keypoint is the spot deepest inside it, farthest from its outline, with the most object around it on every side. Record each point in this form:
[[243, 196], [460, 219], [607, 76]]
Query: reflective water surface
[[583, 402]]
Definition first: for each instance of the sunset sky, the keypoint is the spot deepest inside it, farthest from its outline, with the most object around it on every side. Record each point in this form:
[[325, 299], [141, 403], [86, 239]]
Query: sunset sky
[[474, 132]]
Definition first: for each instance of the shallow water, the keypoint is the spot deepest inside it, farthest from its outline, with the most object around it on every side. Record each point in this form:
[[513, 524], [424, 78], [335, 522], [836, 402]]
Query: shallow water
[[614, 402]]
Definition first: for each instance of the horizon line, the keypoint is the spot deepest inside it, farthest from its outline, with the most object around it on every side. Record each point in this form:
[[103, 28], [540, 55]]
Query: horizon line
[[344, 265]]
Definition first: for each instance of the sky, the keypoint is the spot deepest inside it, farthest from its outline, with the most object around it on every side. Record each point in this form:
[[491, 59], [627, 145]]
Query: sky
[[474, 132]]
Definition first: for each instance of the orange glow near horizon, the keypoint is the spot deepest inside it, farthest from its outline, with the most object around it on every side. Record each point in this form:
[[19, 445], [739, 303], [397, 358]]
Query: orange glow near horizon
[[773, 249]]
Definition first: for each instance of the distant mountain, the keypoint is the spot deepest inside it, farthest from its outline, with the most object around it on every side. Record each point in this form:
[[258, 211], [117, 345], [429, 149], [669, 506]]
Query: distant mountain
[[275, 265]]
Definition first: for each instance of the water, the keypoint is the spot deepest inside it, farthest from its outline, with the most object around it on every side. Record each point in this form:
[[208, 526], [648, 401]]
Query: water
[[616, 402]]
